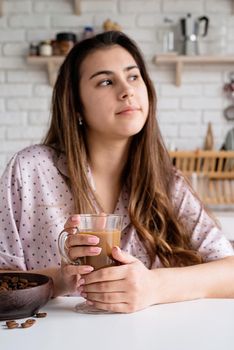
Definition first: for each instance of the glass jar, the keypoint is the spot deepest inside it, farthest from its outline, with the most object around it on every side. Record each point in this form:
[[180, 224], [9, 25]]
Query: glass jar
[[65, 42], [34, 49], [87, 33], [45, 48]]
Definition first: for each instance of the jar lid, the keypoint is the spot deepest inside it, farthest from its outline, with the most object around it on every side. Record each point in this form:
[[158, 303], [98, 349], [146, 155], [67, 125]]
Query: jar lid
[[88, 29], [66, 37], [45, 42]]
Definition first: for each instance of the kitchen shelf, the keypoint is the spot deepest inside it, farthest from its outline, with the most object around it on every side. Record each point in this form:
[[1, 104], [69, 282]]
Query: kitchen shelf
[[179, 61], [52, 64]]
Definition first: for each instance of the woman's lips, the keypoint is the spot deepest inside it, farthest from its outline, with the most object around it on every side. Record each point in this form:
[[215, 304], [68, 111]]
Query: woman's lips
[[128, 110]]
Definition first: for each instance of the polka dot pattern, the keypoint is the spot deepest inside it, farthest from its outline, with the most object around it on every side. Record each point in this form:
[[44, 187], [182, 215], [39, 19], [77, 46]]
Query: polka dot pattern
[[36, 202], [206, 237]]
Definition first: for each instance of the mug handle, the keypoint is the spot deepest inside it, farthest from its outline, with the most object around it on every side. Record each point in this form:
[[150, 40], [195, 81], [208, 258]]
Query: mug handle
[[63, 248]]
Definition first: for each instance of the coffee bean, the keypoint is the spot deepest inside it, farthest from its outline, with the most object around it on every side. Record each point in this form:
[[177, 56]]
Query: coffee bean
[[23, 280], [32, 284], [4, 285], [31, 321], [26, 324], [15, 279], [14, 283], [3, 289], [12, 324], [6, 278]]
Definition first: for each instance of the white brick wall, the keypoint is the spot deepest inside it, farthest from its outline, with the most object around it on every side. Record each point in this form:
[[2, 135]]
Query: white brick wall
[[183, 112], [181, 6]]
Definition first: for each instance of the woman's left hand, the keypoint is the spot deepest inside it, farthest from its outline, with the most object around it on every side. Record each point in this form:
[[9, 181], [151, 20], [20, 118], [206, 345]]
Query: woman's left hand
[[125, 288]]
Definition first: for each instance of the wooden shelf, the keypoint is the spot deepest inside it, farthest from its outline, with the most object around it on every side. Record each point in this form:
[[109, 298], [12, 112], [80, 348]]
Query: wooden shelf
[[179, 61], [52, 63]]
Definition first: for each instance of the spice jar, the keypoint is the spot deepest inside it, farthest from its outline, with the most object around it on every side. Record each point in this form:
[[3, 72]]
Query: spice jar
[[65, 42], [55, 48], [87, 32], [33, 49], [45, 48]]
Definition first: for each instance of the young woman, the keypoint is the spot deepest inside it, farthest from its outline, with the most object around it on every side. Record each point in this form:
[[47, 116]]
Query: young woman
[[104, 153]]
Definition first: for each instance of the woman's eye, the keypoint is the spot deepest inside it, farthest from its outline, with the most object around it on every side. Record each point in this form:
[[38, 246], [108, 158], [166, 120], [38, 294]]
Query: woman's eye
[[105, 82], [133, 77]]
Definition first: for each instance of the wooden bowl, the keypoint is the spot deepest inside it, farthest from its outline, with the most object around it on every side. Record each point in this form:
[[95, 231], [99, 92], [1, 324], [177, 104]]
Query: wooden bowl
[[21, 303]]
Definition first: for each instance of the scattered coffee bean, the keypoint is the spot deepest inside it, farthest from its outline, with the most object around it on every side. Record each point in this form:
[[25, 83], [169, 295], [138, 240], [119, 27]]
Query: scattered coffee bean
[[41, 314], [12, 324], [26, 324], [31, 321]]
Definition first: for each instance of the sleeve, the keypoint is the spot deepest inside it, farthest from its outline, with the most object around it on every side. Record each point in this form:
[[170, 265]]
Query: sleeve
[[11, 251], [206, 236]]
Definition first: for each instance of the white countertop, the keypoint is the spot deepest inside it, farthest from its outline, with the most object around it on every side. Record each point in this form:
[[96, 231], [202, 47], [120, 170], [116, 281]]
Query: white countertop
[[194, 325]]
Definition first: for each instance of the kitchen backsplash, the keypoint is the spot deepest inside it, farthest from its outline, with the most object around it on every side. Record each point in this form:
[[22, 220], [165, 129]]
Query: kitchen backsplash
[[183, 112]]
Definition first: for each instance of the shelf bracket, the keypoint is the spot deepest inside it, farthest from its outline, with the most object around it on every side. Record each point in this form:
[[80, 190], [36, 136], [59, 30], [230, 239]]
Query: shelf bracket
[[178, 73], [52, 69], [77, 7], [52, 65], [1, 8]]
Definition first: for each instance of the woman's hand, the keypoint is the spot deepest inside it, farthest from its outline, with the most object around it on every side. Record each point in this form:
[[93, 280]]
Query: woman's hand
[[126, 288], [69, 277], [79, 245]]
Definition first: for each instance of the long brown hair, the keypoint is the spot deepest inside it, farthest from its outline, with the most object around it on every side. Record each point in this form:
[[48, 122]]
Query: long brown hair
[[148, 172]]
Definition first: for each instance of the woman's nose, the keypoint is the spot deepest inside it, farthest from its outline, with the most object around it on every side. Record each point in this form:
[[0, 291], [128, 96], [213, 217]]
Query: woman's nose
[[126, 91]]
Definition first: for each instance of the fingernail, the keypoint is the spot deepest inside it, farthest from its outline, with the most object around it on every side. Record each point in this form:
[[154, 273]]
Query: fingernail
[[88, 302], [75, 218], [93, 239], [81, 281], [87, 269], [116, 249], [95, 249]]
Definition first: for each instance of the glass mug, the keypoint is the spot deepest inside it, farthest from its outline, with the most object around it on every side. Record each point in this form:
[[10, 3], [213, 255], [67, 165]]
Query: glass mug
[[107, 227]]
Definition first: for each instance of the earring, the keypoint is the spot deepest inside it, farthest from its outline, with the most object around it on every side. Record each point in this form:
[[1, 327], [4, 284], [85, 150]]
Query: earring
[[80, 121]]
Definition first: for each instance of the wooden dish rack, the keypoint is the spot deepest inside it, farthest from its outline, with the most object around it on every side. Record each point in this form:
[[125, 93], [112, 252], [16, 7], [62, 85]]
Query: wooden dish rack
[[211, 173]]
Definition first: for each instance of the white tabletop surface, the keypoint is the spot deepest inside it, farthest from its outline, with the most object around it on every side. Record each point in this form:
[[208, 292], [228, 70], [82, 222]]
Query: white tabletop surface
[[194, 325]]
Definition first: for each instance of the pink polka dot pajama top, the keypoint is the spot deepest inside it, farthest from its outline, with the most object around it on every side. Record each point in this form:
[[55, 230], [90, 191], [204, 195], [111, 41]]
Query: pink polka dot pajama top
[[36, 202]]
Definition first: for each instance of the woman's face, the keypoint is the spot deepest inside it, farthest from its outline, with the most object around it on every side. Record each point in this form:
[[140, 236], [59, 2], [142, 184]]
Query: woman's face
[[113, 94]]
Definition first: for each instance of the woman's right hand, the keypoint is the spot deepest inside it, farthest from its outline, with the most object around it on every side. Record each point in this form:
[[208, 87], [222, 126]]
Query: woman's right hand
[[78, 245]]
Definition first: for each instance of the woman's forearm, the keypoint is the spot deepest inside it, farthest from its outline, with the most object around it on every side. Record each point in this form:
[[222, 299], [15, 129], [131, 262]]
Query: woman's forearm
[[209, 280]]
